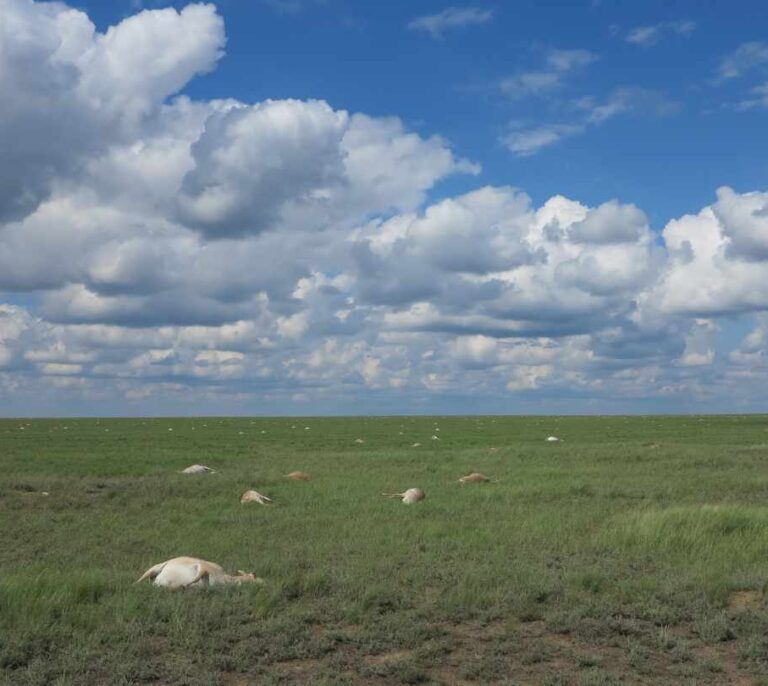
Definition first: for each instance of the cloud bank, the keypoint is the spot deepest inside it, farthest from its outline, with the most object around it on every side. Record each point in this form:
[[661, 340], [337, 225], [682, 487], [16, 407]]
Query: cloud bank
[[159, 253]]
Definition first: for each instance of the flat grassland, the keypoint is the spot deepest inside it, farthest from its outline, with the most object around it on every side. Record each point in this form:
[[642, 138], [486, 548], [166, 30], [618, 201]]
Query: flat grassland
[[634, 551]]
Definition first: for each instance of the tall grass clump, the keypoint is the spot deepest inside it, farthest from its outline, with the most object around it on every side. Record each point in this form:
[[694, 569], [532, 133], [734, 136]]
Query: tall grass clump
[[709, 547]]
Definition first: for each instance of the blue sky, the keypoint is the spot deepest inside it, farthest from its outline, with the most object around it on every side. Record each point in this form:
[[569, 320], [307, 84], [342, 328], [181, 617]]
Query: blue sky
[[362, 57], [328, 206]]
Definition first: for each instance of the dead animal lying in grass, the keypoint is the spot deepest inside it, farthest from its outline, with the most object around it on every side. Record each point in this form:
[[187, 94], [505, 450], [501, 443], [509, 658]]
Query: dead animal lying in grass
[[474, 478], [29, 491], [553, 439], [298, 476], [198, 469], [255, 497], [183, 572], [412, 495]]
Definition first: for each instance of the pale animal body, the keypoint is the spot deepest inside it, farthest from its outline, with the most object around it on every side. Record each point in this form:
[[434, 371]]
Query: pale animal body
[[198, 469], [474, 478], [255, 497], [412, 495], [553, 439], [185, 572], [298, 476]]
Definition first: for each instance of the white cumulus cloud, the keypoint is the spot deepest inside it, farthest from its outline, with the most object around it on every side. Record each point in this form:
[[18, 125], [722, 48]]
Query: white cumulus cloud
[[159, 252]]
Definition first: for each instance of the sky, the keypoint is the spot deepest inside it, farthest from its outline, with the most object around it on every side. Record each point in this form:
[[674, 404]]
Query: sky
[[348, 207]]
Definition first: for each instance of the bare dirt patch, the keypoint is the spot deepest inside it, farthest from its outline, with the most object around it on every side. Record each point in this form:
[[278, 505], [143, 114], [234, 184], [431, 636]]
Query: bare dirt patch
[[534, 654], [387, 658], [745, 600]]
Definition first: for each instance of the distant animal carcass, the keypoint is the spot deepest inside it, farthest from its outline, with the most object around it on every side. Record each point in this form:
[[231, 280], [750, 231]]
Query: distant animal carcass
[[186, 572], [474, 478], [412, 495], [198, 469], [298, 476], [255, 497]]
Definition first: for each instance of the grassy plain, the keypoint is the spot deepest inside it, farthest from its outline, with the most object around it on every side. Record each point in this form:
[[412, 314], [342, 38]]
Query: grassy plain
[[635, 551]]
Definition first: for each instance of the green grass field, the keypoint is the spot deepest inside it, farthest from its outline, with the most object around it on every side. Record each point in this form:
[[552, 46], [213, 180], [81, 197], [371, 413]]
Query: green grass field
[[633, 552]]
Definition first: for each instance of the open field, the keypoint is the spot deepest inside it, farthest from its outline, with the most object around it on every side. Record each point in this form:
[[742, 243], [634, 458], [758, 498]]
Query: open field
[[634, 551]]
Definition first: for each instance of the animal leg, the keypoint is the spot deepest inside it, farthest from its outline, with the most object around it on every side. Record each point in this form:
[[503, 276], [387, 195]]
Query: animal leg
[[201, 575], [152, 572]]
